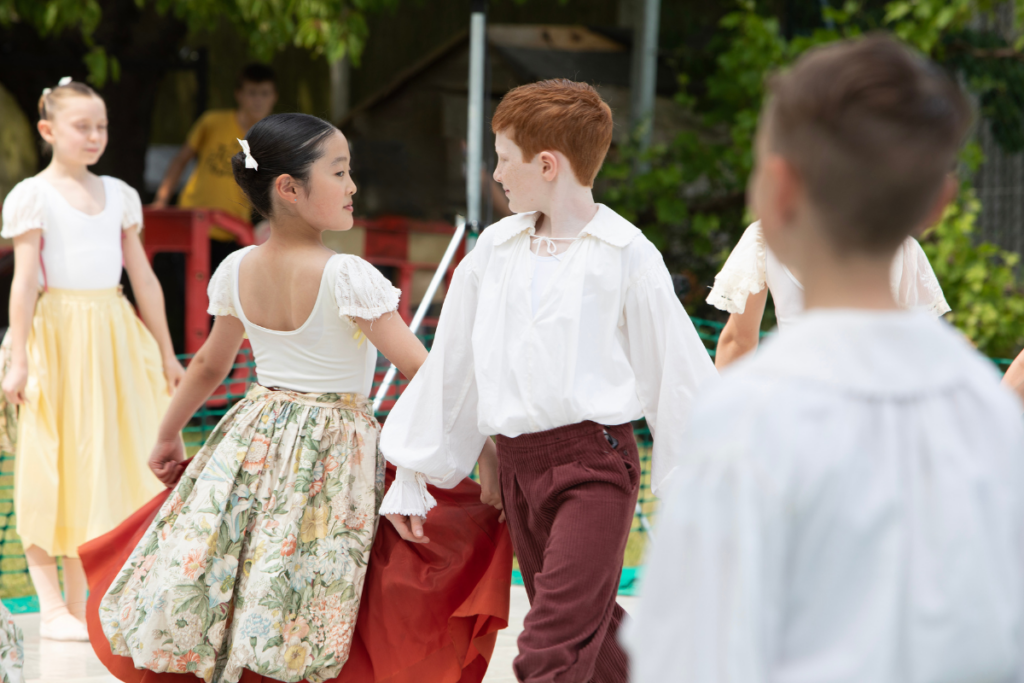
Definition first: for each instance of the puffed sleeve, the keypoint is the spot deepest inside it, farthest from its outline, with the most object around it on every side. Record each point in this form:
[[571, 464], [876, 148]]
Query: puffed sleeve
[[361, 291], [221, 290], [132, 212], [669, 362], [914, 283], [743, 273], [24, 209], [432, 433], [713, 584]]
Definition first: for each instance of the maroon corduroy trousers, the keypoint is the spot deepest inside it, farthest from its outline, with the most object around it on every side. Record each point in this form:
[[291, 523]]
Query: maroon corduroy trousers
[[569, 497]]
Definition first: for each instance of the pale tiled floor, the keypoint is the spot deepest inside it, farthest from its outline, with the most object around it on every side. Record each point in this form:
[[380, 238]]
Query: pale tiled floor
[[50, 662], [500, 670]]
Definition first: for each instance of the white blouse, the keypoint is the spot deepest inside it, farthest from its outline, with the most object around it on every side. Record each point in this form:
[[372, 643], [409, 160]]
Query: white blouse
[[752, 265], [79, 251], [610, 343], [851, 509], [327, 353]]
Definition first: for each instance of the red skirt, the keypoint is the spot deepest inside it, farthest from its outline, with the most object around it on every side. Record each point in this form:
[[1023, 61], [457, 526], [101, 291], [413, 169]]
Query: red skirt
[[429, 613]]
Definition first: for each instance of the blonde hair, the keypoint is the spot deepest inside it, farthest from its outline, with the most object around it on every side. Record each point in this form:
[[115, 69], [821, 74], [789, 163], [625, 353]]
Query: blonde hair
[[51, 97]]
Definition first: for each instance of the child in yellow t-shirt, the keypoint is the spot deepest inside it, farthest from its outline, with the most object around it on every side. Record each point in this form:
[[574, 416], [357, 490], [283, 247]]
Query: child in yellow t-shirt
[[213, 140]]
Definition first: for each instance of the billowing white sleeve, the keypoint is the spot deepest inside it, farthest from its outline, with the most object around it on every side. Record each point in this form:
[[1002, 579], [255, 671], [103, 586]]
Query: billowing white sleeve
[[712, 585], [743, 274], [914, 283], [669, 362], [431, 435]]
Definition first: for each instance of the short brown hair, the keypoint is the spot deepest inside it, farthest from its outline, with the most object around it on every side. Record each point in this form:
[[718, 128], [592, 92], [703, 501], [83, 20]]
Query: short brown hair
[[559, 115], [873, 129], [51, 97]]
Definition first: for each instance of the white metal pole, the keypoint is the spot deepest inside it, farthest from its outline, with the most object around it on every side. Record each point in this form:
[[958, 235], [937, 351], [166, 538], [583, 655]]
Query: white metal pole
[[645, 72], [475, 117], [428, 297]]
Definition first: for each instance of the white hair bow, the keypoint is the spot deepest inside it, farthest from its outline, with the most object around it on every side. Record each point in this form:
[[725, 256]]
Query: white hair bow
[[249, 161], [62, 82]]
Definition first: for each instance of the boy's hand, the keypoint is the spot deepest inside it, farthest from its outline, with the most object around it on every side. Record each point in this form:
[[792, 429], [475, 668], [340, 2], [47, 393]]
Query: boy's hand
[[490, 484], [409, 528], [166, 454]]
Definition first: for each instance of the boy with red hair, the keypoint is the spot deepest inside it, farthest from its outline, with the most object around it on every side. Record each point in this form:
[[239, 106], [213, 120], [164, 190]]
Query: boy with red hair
[[559, 330]]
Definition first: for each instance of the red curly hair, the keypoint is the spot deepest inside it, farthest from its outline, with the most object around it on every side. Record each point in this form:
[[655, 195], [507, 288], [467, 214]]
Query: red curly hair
[[558, 115]]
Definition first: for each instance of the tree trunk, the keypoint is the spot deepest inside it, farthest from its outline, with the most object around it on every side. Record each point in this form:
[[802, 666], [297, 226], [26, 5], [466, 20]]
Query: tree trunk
[[144, 42]]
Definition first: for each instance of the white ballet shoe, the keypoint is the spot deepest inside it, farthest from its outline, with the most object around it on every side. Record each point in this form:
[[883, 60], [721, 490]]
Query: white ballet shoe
[[65, 628]]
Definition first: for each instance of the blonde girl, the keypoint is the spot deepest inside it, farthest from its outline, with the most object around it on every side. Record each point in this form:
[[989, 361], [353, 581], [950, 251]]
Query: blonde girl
[[91, 379]]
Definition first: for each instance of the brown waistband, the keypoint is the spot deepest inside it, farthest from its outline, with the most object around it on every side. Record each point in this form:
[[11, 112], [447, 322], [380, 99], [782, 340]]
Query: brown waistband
[[544, 448]]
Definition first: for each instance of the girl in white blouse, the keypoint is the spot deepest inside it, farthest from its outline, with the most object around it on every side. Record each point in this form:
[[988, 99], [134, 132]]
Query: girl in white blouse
[[258, 559], [90, 378], [752, 271]]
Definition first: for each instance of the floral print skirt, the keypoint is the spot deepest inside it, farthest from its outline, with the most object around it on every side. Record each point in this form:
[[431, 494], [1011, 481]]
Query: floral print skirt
[[12, 649], [257, 559]]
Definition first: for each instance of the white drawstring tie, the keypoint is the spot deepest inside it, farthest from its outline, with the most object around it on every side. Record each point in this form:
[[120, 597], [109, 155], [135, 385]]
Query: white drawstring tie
[[550, 241]]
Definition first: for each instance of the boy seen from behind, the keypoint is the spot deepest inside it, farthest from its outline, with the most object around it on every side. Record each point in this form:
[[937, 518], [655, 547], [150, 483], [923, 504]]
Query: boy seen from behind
[[850, 508]]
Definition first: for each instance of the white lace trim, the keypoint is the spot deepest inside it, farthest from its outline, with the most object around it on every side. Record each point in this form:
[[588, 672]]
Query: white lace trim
[[361, 291], [743, 273], [938, 306], [408, 497], [24, 209], [131, 207]]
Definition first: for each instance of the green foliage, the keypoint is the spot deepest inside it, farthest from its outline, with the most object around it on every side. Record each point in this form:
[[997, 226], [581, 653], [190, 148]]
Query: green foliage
[[997, 81], [690, 201], [978, 280], [334, 28]]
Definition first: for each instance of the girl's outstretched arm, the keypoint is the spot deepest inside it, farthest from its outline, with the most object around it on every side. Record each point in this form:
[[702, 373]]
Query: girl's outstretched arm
[[207, 370], [395, 340], [150, 298], [24, 292], [742, 331], [1013, 379]]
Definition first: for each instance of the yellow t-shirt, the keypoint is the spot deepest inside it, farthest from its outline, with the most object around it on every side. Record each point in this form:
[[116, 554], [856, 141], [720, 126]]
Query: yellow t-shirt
[[214, 137]]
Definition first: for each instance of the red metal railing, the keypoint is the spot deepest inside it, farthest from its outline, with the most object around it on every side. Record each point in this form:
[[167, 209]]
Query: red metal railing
[[186, 231], [387, 245]]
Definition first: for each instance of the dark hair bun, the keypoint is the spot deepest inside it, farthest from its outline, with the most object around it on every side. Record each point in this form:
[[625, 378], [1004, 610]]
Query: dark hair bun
[[281, 144]]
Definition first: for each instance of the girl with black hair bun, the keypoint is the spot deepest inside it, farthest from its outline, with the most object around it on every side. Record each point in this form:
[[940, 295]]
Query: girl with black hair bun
[[265, 562]]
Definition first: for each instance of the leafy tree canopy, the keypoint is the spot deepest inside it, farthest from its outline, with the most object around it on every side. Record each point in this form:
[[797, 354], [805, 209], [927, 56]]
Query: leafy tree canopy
[[334, 28], [691, 201]]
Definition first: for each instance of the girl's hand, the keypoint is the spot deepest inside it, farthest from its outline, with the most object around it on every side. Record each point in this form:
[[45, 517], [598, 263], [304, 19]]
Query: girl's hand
[[14, 383], [409, 528], [490, 484], [174, 373], [166, 454]]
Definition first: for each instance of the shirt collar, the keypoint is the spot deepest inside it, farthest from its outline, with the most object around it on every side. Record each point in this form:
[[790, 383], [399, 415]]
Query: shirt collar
[[606, 225], [871, 353]]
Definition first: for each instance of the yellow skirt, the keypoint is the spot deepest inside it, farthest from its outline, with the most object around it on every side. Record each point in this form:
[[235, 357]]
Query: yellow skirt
[[95, 396]]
